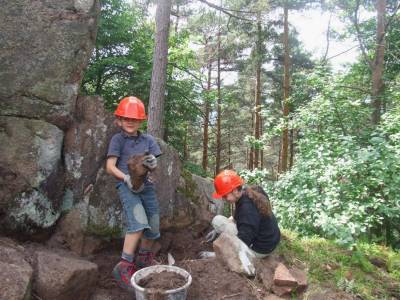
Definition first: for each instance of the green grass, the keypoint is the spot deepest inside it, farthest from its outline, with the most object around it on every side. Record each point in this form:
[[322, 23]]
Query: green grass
[[330, 265]]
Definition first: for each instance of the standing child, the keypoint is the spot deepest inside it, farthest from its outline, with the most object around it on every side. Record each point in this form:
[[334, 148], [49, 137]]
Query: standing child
[[253, 222], [140, 207]]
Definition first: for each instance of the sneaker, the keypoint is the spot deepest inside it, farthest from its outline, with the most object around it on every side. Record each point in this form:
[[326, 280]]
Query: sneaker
[[123, 272], [145, 259]]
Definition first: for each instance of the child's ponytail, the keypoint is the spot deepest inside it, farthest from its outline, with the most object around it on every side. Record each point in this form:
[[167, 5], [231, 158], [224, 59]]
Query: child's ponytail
[[260, 199]]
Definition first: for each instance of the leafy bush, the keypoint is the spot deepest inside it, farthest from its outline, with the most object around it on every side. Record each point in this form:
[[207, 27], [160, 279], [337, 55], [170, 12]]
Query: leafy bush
[[345, 183]]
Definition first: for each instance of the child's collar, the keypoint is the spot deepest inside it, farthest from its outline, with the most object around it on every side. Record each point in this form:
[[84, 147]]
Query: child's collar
[[125, 135]]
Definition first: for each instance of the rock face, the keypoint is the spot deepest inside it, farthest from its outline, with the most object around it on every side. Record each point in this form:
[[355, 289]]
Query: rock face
[[31, 181], [85, 147], [63, 278], [47, 45], [45, 48], [15, 274]]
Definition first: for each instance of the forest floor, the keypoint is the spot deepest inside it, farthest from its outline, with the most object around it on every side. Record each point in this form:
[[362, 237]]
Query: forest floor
[[371, 272]]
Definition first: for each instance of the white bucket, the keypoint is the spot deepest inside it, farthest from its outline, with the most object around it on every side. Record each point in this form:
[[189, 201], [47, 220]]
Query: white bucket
[[175, 294]]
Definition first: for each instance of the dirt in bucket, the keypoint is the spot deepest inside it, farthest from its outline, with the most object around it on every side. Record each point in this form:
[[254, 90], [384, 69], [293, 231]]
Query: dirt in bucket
[[163, 281]]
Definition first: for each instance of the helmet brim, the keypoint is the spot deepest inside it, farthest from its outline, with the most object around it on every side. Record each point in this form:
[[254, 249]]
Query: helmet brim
[[215, 195]]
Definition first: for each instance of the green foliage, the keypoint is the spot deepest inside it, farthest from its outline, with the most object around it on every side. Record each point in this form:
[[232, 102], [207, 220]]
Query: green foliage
[[121, 63], [329, 264], [345, 183], [196, 169]]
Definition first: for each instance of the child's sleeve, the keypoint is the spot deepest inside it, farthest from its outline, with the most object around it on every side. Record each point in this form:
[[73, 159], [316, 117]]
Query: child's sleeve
[[114, 148], [154, 148]]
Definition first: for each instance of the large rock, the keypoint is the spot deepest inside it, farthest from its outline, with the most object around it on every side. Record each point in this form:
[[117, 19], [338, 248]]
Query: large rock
[[234, 254], [31, 175], [85, 146], [46, 46], [63, 278], [194, 201], [167, 177], [15, 272]]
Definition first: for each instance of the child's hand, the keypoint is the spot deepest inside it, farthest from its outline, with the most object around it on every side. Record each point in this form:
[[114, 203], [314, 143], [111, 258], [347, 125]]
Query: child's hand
[[150, 161]]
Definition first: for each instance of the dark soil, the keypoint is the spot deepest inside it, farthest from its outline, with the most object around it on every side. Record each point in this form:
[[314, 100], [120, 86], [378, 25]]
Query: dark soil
[[210, 280], [163, 281]]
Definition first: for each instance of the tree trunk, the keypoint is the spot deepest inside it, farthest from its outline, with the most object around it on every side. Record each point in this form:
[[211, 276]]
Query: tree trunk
[[158, 77], [291, 148], [185, 144], [219, 103], [257, 94], [261, 150], [206, 115], [378, 63], [251, 152], [284, 151]]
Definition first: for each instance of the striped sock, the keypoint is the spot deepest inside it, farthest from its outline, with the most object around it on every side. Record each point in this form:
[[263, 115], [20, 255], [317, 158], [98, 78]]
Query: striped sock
[[127, 257]]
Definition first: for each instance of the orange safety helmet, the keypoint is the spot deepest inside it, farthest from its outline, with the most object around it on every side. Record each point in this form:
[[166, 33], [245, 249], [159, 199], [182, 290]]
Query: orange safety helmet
[[131, 107], [225, 182]]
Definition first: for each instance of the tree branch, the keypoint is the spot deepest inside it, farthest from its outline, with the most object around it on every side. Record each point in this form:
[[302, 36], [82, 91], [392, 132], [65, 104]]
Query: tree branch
[[359, 38], [224, 10]]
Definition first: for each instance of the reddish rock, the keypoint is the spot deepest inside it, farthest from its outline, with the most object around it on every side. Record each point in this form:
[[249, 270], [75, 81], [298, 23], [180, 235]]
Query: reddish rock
[[282, 290], [15, 272], [282, 277], [265, 269], [64, 278]]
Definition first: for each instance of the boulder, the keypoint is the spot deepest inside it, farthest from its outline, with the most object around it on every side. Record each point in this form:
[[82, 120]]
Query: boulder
[[63, 278], [194, 200], [72, 232], [167, 177], [85, 146], [31, 174], [15, 272], [47, 46], [234, 254]]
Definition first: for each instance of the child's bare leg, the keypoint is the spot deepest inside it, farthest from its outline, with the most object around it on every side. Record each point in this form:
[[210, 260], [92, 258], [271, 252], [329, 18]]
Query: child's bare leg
[[131, 242]]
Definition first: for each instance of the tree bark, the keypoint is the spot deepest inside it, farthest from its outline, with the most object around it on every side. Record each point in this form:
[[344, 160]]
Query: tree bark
[[159, 75], [378, 63], [219, 103], [206, 115], [284, 151], [257, 93]]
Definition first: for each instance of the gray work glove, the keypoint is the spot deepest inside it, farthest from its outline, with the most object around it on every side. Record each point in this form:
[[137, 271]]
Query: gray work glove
[[150, 161], [211, 236], [128, 181]]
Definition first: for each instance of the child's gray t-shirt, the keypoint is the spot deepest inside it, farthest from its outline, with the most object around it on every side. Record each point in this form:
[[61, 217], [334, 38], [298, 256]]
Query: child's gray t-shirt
[[124, 146]]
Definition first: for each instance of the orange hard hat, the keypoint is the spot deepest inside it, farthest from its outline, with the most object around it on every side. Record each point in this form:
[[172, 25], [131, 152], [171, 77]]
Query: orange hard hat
[[225, 182], [131, 107]]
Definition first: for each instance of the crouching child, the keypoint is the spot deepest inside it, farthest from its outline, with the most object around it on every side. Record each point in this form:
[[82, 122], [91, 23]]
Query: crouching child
[[254, 226]]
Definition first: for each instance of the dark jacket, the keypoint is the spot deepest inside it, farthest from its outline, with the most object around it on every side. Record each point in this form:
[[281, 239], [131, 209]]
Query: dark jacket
[[260, 233]]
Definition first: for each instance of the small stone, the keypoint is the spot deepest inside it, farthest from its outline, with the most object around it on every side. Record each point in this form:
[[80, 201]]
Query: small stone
[[282, 276]]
